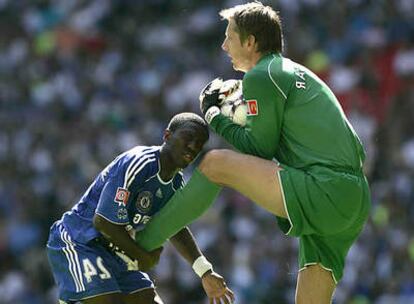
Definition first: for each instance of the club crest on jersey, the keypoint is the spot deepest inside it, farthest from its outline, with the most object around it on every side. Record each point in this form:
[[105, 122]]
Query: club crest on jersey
[[121, 196], [144, 202], [252, 107]]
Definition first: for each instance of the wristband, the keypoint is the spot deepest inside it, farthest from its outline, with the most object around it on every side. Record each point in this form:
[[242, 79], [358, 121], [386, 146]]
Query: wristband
[[201, 266], [211, 113]]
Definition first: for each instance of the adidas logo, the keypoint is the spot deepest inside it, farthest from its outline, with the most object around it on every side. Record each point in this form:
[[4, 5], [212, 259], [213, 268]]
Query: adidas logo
[[158, 193]]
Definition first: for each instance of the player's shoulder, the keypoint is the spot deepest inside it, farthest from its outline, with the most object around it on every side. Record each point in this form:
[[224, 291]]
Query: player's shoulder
[[139, 158], [268, 66], [272, 71], [137, 165], [140, 152], [144, 150], [144, 154]]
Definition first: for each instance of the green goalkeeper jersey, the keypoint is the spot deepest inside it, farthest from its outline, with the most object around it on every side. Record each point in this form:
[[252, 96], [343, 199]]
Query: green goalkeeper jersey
[[293, 117]]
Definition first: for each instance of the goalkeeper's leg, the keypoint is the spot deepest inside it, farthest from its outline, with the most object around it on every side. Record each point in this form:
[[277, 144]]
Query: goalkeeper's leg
[[185, 206]]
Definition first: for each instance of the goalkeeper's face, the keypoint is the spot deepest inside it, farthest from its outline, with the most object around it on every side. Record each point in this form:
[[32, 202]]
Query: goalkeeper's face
[[238, 51], [184, 144]]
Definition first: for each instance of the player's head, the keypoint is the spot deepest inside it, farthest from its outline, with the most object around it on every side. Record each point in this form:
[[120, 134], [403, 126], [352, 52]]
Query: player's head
[[184, 138], [252, 27]]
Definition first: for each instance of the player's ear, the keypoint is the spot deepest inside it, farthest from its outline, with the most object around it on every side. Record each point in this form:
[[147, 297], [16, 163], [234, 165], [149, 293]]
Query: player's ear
[[167, 135], [251, 41]]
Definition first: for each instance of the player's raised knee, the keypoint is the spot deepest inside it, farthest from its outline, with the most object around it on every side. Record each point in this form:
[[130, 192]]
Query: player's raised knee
[[214, 163]]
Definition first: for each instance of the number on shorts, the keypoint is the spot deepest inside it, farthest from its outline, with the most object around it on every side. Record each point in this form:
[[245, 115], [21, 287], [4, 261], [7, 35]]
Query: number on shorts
[[90, 269]]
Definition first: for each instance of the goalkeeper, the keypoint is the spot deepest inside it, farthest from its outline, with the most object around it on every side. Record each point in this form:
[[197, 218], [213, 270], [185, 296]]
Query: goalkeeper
[[316, 189], [91, 253]]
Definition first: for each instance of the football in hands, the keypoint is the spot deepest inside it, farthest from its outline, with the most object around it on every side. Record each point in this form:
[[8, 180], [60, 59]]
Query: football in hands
[[232, 103]]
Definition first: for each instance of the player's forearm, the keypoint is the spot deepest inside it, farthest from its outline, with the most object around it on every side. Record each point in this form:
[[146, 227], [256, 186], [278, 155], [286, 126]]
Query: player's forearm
[[240, 138], [117, 235], [185, 244]]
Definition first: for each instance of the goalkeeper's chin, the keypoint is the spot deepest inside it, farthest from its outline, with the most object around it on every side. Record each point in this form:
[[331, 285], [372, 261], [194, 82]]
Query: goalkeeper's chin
[[238, 67]]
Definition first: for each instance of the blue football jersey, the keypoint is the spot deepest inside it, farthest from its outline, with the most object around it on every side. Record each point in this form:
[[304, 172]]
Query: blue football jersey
[[129, 191]]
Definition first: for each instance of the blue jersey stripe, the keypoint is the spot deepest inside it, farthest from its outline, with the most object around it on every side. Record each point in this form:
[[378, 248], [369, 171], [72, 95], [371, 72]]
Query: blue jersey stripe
[[137, 159], [142, 164], [134, 165]]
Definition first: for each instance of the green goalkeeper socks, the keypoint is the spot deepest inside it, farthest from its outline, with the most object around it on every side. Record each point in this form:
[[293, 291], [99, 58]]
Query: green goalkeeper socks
[[185, 206]]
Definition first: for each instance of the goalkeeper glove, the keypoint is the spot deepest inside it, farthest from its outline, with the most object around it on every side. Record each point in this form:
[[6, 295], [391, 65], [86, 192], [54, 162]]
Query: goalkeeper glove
[[214, 94], [210, 95]]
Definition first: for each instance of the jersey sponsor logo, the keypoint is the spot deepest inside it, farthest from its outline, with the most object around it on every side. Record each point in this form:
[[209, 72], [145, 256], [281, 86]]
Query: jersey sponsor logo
[[122, 214], [121, 196], [144, 202], [252, 107]]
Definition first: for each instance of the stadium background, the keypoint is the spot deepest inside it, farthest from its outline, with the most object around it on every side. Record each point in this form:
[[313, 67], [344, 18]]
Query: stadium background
[[81, 81]]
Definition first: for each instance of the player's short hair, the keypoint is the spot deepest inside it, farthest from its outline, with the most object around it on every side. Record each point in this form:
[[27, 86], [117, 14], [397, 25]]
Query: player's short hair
[[182, 119], [258, 20]]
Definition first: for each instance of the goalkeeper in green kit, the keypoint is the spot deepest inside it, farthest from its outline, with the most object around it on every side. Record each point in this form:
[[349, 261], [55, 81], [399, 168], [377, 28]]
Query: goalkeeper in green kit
[[300, 158]]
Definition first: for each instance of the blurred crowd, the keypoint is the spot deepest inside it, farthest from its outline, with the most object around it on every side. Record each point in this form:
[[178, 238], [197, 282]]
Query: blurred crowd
[[81, 81]]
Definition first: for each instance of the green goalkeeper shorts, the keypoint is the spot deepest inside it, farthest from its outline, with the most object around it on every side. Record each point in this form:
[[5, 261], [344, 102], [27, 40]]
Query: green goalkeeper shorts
[[327, 210]]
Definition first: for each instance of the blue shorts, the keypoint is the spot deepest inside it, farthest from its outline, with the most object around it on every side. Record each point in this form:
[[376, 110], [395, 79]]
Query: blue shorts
[[84, 271]]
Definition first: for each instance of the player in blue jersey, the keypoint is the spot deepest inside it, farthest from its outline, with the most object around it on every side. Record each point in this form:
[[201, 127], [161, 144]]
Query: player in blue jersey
[[91, 249]]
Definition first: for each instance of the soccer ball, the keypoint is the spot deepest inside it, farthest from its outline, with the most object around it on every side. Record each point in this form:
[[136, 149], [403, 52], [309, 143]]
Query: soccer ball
[[233, 105]]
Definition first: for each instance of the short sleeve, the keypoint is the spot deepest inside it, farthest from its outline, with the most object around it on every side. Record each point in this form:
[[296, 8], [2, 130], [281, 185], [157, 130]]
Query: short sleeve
[[112, 204]]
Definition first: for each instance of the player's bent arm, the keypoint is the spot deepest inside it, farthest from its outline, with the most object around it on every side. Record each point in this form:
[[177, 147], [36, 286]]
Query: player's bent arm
[[186, 246], [260, 136], [118, 235]]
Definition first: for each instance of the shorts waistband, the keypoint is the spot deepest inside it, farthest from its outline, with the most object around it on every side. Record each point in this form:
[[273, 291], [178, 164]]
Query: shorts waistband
[[338, 169], [349, 170], [111, 247]]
